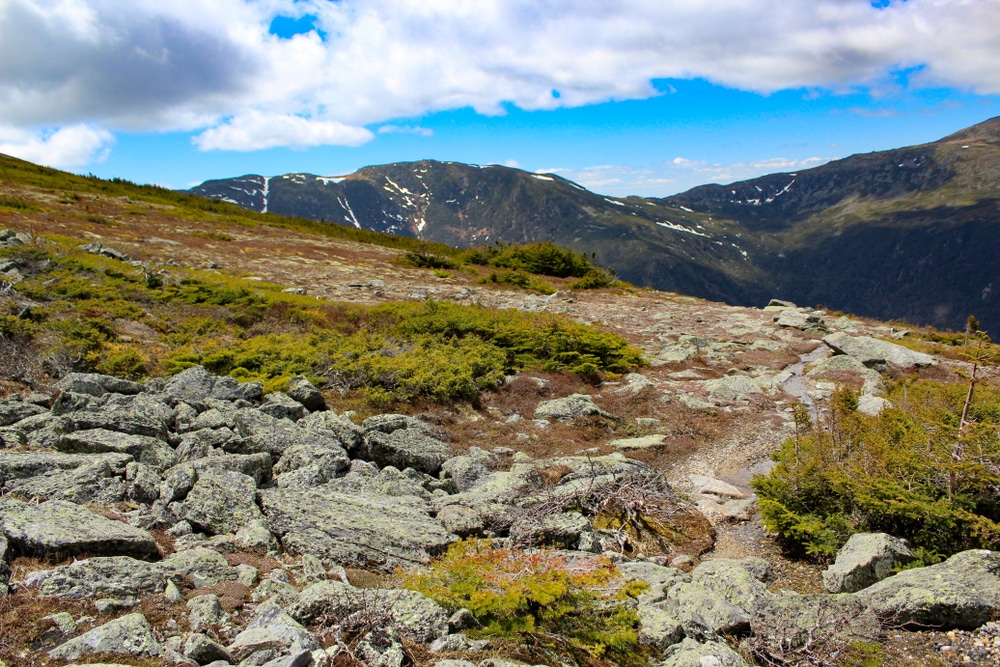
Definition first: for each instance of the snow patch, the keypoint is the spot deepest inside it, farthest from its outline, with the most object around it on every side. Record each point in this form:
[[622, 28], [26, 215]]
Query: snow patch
[[344, 203], [612, 201], [267, 191], [543, 177], [682, 228], [326, 180], [685, 208]]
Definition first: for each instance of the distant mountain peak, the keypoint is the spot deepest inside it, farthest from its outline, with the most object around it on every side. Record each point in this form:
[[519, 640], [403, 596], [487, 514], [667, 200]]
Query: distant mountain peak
[[986, 132]]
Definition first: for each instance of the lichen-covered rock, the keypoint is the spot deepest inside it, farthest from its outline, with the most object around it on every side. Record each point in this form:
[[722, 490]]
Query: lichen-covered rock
[[865, 559], [406, 448], [96, 384], [691, 653], [872, 405], [354, 529], [192, 384], [229, 389], [282, 406], [59, 528], [570, 407], [119, 421], [128, 635], [221, 501], [153, 452], [414, 615], [877, 354], [328, 460], [963, 591], [203, 650], [273, 620], [113, 576], [349, 434], [740, 581], [22, 465], [302, 390], [4, 567], [12, 412], [561, 531], [94, 479], [733, 387], [260, 432], [203, 566]]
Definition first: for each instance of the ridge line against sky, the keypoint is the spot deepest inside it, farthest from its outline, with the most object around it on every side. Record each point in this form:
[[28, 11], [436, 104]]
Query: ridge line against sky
[[646, 97]]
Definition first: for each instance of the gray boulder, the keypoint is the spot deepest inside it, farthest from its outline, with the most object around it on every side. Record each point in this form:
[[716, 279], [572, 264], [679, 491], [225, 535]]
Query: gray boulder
[[128, 635], [203, 650], [872, 405], [741, 582], [691, 653], [273, 625], [302, 390], [226, 388], [281, 406], [220, 502], [354, 529], [733, 387], [153, 452], [257, 466], [4, 567], [259, 432], [22, 465], [192, 384], [93, 479], [406, 448], [328, 461], [963, 592], [59, 528], [349, 434], [12, 412], [865, 559], [570, 407], [119, 421], [877, 354], [412, 614], [95, 384]]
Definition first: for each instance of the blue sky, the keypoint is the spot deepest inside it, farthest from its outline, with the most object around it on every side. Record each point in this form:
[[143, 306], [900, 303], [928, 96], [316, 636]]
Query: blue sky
[[646, 97]]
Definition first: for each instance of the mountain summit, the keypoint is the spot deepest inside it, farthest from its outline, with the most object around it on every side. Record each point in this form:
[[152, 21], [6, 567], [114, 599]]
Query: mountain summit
[[906, 234]]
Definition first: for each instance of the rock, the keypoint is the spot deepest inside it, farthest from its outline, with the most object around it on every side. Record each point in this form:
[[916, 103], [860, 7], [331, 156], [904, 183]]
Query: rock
[[302, 390], [412, 614], [221, 501], [281, 406], [204, 567], [205, 611], [641, 443], [59, 528], [254, 536], [406, 448], [230, 389], [963, 592], [740, 581], [4, 565], [119, 421], [834, 367], [865, 559], [634, 383], [94, 384], [12, 412], [779, 304], [355, 529], [273, 620], [872, 405], [260, 432], [561, 531], [570, 407], [143, 483], [192, 384], [340, 427], [466, 471], [95, 479], [22, 465], [877, 354], [715, 487], [460, 520], [733, 387], [691, 653], [256, 466], [203, 650], [153, 452], [128, 635], [327, 461]]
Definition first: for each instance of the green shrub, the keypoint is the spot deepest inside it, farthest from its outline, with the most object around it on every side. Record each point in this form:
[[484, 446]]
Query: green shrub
[[424, 260], [545, 259], [539, 599], [908, 472], [595, 279], [519, 279]]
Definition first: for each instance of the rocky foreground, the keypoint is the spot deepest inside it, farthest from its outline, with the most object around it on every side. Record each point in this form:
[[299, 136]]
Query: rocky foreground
[[200, 522]]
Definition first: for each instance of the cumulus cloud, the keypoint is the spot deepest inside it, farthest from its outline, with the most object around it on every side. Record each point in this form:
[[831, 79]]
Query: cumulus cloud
[[255, 131], [65, 148], [406, 129], [213, 66]]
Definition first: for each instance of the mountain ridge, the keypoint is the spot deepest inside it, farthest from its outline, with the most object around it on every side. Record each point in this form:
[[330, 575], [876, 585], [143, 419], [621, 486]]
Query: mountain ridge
[[903, 224]]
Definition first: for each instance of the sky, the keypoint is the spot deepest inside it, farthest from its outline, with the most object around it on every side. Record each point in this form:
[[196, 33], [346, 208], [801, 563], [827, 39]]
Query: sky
[[626, 97]]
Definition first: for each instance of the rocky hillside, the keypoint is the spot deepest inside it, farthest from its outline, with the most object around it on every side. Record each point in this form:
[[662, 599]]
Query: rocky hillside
[[232, 439], [905, 234]]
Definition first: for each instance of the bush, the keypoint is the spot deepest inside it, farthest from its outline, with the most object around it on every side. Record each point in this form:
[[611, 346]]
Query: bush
[[519, 279], [538, 598], [908, 472], [595, 279]]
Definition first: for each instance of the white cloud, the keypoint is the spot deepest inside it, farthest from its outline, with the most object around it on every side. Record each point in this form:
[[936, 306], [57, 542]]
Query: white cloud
[[406, 129], [256, 131], [211, 66], [65, 148]]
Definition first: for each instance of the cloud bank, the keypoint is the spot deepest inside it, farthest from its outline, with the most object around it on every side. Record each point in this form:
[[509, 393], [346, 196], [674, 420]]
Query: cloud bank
[[213, 67]]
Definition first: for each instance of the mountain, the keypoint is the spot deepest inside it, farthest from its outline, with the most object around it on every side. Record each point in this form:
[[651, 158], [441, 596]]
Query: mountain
[[906, 234]]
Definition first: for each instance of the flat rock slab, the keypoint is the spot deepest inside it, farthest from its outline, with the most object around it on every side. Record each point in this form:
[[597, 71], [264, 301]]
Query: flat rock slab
[[21, 465], [144, 449], [570, 407], [354, 529], [60, 528], [644, 442], [963, 591], [877, 354], [128, 635]]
